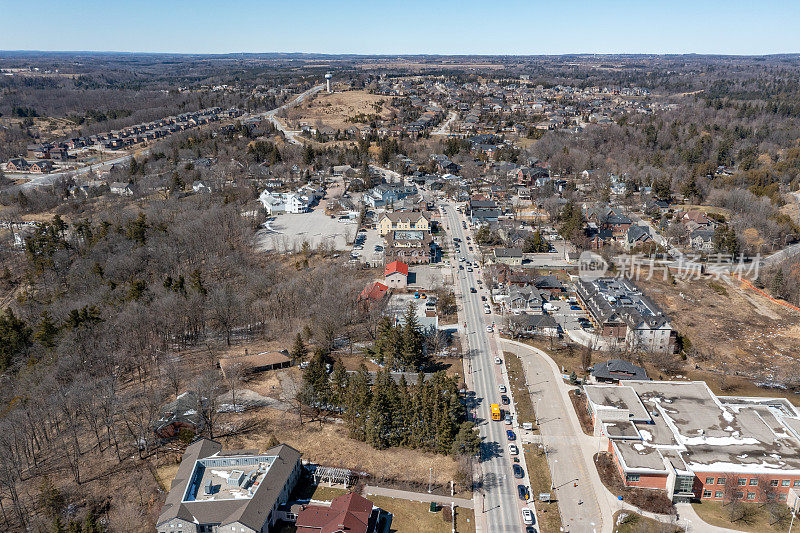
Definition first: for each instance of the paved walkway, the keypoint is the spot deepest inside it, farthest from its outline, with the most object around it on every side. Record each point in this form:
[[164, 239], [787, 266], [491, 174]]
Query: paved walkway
[[416, 496], [690, 520]]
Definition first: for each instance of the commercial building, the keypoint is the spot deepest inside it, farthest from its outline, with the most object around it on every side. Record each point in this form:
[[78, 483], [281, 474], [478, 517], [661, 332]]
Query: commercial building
[[403, 220], [618, 309], [238, 491], [681, 438]]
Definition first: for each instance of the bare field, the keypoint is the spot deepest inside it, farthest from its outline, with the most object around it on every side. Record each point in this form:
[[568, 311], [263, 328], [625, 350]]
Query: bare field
[[327, 443], [729, 323], [334, 109]]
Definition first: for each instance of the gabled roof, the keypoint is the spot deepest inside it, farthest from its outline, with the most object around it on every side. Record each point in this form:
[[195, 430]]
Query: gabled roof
[[348, 513], [619, 369], [374, 291], [396, 266]]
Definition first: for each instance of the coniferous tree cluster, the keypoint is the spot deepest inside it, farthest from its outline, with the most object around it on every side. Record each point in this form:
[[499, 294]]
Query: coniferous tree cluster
[[385, 413], [401, 346]]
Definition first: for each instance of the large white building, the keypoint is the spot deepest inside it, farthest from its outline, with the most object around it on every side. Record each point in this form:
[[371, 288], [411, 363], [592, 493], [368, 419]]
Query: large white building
[[283, 202]]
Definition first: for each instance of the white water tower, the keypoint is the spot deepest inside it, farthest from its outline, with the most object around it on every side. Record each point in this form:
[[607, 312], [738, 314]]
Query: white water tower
[[328, 77]]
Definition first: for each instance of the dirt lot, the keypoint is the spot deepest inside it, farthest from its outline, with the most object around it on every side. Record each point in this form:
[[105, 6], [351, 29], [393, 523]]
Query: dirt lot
[[651, 500], [334, 109], [414, 517], [729, 324]]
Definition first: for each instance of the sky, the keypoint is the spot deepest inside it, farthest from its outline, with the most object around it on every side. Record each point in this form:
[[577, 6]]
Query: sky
[[404, 26]]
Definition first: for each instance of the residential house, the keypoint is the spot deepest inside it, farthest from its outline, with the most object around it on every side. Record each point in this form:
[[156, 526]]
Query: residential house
[[396, 275], [121, 188], [17, 165], [348, 513], [528, 325], [616, 370], [637, 235], [524, 299], [508, 256], [702, 240], [288, 202], [248, 364]]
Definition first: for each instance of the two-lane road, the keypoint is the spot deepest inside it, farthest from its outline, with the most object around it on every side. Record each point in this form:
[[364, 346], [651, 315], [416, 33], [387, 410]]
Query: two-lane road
[[500, 506]]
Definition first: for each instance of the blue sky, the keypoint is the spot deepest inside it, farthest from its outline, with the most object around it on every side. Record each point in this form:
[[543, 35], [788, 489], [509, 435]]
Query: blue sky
[[404, 27]]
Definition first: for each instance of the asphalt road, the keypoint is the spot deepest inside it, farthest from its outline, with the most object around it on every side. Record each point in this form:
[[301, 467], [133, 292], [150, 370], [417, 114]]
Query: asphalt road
[[270, 115], [500, 507], [572, 477]]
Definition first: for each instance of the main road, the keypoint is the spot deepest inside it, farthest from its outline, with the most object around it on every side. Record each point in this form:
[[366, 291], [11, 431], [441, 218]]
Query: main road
[[499, 505]]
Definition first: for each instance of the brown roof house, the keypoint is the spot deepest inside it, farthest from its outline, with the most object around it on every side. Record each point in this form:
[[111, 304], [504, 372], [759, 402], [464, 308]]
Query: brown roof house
[[348, 513], [224, 492], [254, 363]]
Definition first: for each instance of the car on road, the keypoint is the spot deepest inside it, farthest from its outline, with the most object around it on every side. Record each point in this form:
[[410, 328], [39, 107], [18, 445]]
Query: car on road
[[502, 389], [527, 517], [498, 361], [504, 399], [470, 248], [489, 328], [469, 269], [486, 309], [508, 419], [519, 473], [511, 435], [522, 490], [550, 307], [483, 298], [472, 289], [461, 267], [575, 307], [513, 450]]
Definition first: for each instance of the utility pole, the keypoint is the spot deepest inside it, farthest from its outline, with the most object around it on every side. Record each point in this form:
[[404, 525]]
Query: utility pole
[[430, 478]]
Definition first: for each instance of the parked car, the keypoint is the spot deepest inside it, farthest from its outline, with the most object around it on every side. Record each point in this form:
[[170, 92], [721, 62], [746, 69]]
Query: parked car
[[489, 328], [550, 307], [483, 298], [472, 289], [498, 361], [575, 307], [519, 473], [508, 419], [522, 490], [513, 450], [504, 399], [502, 389], [527, 517], [511, 435]]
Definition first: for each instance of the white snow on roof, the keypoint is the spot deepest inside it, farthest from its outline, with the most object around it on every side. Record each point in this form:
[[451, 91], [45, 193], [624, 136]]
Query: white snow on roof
[[716, 441], [646, 435]]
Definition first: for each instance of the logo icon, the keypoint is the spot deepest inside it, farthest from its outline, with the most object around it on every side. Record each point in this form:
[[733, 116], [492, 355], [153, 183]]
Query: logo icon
[[591, 266]]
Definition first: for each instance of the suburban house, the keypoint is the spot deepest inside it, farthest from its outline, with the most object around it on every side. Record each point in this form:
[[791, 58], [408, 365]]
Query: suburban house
[[616, 370], [682, 438], [619, 310], [374, 292], [396, 275], [178, 414], [17, 165], [239, 491], [388, 194], [528, 325], [348, 513], [635, 236], [249, 364], [41, 167], [508, 256], [524, 299], [121, 188], [403, 220], [702, 240]]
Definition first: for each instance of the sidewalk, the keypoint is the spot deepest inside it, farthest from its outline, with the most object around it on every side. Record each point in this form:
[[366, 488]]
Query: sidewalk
[[417, 496]]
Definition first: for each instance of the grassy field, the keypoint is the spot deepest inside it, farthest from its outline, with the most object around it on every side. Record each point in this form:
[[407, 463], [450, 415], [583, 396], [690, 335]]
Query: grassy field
[[539, 477], [627, 522], [415, 517], [757, 519], [522, 397]]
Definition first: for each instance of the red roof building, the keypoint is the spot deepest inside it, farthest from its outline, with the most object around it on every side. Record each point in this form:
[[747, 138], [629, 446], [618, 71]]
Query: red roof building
[[396, 266], [373, 292], [349, 513]]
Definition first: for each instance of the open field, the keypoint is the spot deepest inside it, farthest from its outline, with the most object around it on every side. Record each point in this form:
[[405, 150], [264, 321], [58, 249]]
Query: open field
[[756, 520], [327, 443], [287, 232], [415, 517], [335, 109]]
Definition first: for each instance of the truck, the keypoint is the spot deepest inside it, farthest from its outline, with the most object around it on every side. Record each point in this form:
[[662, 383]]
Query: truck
[[497, 413]]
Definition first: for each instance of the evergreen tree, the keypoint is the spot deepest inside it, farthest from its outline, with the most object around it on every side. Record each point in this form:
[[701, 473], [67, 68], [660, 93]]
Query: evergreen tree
[[466, 441], [778, 285], [299, 351], [412, 339], [15, 339]]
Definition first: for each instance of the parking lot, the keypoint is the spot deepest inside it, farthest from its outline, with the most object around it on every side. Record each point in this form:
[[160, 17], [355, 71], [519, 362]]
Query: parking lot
[[287, 232], [567, 318]]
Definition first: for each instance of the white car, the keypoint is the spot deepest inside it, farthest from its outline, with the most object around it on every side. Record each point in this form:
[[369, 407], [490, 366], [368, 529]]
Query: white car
[[550, 307], [489, 328], [527, 517], [487, 310], [502, 389], [513, 450], [498, 361]]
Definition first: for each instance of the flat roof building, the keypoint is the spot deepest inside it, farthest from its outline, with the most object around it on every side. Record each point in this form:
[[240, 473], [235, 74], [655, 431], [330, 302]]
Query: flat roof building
[[682, 438]]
